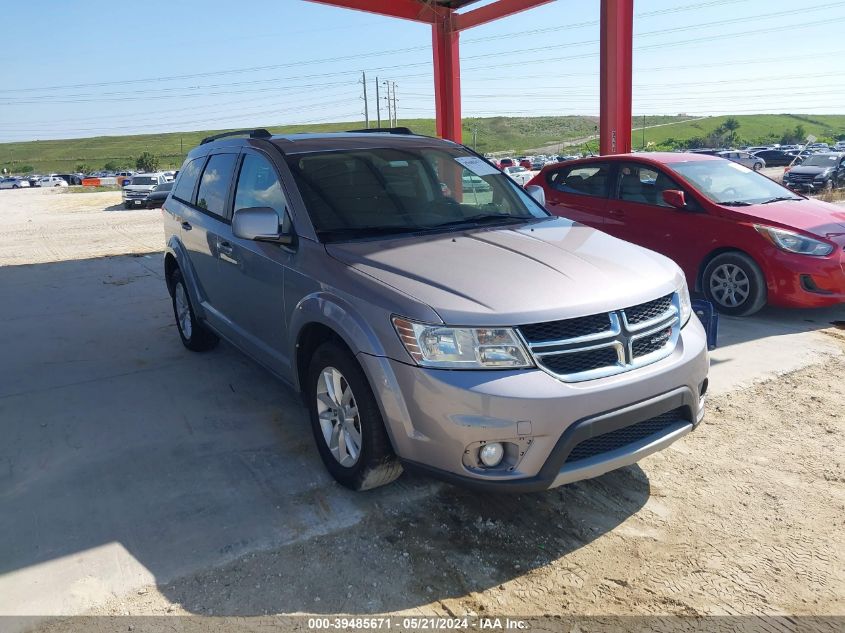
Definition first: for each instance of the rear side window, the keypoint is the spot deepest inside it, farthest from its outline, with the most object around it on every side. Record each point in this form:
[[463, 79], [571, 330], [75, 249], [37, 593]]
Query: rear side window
[[584, 180], [184, 189], [214, 184]]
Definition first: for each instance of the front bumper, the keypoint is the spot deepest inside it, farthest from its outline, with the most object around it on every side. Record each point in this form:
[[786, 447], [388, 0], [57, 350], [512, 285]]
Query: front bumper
[[805, 186], [800, 281], [437, 419]]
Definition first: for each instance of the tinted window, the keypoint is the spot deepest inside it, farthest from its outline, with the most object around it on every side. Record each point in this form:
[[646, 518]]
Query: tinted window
[[639, 183], [214, 184], [188, 175], [258, 186], [585, 180]]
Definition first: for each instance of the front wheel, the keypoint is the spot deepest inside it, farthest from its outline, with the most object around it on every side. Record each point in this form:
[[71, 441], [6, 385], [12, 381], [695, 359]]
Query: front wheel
[[734, 283], [346, 421], [757, 166]]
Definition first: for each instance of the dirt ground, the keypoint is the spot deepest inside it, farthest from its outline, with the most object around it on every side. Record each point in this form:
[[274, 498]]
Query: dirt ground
[[72, 226], [744, 516]]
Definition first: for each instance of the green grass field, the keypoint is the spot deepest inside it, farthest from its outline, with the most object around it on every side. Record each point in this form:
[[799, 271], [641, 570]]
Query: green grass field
[[491, 135]]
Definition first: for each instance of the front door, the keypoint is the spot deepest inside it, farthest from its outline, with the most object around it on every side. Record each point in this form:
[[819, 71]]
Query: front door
[[252, 273], [637, 213]]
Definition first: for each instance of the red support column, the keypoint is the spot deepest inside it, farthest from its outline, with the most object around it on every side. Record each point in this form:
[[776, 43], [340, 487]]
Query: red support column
[[617, 31], [447, 78]]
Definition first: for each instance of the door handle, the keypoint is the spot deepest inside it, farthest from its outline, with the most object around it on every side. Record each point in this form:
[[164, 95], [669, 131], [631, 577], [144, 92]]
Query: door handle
[[616, 213], [187, 226], [225, 248]]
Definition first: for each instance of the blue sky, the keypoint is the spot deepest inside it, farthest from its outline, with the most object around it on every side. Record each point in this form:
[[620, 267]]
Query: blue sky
[[76, 69]]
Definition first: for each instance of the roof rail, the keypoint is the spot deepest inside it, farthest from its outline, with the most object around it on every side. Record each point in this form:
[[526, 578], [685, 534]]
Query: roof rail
[[256, 133], [382, 130]]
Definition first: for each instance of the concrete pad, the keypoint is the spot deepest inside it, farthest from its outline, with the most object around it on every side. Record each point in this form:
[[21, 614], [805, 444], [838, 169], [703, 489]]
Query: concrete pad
[[126, 460]]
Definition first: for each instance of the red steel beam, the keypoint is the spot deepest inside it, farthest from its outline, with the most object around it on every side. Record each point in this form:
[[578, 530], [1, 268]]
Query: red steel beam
[[617, 35], [494, 11], [447, 78], [405, 9]]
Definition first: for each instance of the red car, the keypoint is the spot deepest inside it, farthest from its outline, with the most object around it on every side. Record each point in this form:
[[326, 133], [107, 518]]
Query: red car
[[506, 162], [525, 162], [741, 238]]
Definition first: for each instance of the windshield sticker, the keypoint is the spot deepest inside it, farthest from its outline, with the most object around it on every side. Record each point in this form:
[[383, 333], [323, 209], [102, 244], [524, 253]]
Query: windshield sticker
[[738, 167], [477, 166]]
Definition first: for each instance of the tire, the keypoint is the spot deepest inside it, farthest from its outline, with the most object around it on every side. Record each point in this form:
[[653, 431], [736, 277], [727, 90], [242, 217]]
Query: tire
[[828, 186], [757, 166], [127, 205], [375, 463], [195, 336], [743, 272]]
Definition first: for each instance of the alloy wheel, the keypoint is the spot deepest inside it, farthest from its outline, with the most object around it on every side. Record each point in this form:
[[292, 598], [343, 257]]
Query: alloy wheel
[[729, 285], [338, 415]]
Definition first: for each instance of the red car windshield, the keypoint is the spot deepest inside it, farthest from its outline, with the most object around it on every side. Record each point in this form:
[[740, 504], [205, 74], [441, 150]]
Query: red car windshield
[[731, 184]]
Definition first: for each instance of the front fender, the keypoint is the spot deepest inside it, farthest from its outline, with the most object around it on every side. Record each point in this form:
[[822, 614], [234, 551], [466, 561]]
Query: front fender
[[177, 250], [339, 315]]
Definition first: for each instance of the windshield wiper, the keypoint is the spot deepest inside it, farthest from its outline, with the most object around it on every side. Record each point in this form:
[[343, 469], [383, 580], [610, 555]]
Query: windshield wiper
[[482, 218], [736, 203], [364, 231], [780, 198]]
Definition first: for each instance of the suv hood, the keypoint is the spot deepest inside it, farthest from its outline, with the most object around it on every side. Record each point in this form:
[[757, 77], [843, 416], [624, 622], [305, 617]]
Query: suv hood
[[813, 216], [138, 187], [808, 169], [514, 275]]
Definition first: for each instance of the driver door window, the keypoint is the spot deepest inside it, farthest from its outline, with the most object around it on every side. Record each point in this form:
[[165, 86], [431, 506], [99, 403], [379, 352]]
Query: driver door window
[[258, 186], [644, 185]]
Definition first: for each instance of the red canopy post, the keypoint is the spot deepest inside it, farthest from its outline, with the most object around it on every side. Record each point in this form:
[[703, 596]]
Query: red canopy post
[[617, 41], [447, 78]]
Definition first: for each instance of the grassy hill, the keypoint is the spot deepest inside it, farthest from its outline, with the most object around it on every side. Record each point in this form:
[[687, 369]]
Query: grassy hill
[[515, 134]]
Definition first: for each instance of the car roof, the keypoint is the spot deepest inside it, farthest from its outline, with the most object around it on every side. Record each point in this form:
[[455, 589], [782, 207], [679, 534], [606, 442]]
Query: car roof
[[304, 143], [655, 157]]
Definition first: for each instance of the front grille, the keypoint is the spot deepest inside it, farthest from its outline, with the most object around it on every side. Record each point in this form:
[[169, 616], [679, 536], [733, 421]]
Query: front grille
[[568, 328], [648, 311], [650, 343], [576, 362], [607, 343], [803, 178], [619, 438], [136, 194]]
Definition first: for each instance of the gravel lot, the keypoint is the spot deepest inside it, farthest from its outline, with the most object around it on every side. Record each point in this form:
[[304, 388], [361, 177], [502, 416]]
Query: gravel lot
[[744, 516]]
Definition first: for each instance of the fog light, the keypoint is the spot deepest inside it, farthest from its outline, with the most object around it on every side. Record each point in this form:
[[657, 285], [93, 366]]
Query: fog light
[[491, 454]]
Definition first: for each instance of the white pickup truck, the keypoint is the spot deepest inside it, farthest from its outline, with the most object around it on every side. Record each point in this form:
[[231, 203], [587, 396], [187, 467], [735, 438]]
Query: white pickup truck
[[135, 193]]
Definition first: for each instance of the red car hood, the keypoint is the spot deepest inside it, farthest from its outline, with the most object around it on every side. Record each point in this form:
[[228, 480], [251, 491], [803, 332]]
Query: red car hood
[[813, 216]]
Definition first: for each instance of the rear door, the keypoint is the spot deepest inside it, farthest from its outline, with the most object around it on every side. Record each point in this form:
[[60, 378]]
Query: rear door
[[252, 273], [579, 192], [203, 220]]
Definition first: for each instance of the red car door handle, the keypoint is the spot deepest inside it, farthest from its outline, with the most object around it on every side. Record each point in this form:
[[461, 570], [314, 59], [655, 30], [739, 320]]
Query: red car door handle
[[616, 213]]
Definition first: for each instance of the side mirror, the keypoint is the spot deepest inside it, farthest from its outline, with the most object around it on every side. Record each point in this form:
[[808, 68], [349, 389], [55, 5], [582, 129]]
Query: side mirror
[[675, 198], [260, 224], [537, 192]]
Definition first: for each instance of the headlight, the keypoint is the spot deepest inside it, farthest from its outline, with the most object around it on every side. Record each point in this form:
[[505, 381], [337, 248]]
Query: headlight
[[792, 242], [461, 348], [686, 304], [824, 175]]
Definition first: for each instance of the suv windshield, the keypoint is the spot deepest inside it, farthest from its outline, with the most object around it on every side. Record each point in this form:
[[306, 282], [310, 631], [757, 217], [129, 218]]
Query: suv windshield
[[820, 160], [729, 183], [144, 180], [383, 191]]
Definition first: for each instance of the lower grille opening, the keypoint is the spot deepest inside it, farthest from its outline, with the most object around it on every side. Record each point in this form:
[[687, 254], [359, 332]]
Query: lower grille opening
[[619, 438]]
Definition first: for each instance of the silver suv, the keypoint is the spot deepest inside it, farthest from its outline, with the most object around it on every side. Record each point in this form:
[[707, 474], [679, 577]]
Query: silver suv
[[458, 330]]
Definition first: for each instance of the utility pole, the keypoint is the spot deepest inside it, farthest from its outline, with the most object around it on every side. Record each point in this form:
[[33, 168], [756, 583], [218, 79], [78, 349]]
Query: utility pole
[[643, 132], [387, 101], [366, 103], [378, 105], [475, 138], [395, 115]]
